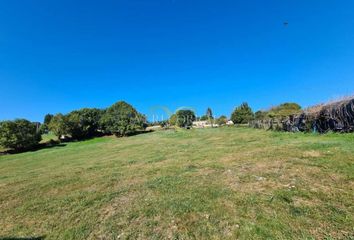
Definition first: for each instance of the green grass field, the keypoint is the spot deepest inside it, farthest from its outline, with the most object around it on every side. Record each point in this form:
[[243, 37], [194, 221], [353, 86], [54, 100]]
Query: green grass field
[[226, 183]]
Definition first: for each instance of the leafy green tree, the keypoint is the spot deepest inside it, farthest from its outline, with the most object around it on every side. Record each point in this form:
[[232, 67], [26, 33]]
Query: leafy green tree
[[74, 125], [47, 118], [260, 115], [20, 134], [185, 118], [209, 114], [59, 125], [44, 127], [279, 112], [173, 120], [122, 119], [222, 120], [242, 114], [78, 124], [163, 123], [84, 123], [204, 118], [284, 110]]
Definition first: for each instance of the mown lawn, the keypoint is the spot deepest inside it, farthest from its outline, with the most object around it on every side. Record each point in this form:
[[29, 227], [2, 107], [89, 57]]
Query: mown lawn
[[226, 183]]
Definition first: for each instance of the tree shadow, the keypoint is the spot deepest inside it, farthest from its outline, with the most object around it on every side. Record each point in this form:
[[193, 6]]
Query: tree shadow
[[140, 132], [50, 144], [56, 143], [23, 238]]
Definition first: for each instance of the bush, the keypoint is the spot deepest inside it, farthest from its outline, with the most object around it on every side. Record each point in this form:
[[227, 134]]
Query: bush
[[121, 119], [284, 110], [185, 118], [279, 112], [20, 134], [222, 120], [242, 114], [173, 120], [260, 115], [204, 118]]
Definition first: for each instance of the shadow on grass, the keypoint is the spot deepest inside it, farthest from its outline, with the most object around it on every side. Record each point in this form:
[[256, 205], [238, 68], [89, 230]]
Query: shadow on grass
[[22, 238], [138, 133], [51, 144]]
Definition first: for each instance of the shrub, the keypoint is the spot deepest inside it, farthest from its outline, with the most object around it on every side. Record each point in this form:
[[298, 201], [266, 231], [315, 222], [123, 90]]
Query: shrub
[[260, 115], [279, 112], [204, 118], [284, 110], [20, 134], [121, 119], [185, 118], [242, 114], [173, 120], [222, 120]]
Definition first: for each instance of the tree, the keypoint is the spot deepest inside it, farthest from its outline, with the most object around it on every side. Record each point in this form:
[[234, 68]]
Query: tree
[[222, 120], [163, 123], [59, 125], [44, 127], [173, 120], [279, 112], [210, 117], [242, 114], [185, 118], [121, 119], [260, 115], [84, 123], [20, 134], [204, 118], [209, 114], [47, 118], [284, 110]]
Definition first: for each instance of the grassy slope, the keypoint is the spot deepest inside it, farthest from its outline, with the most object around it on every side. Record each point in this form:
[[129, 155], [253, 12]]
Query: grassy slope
[[207, 183]]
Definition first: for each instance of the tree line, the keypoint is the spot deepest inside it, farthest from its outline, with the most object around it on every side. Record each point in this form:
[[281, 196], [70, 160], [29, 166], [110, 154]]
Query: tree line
[[120, 119]]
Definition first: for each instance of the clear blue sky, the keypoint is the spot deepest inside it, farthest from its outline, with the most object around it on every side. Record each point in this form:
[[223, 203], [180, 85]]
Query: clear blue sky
[[61, 55]]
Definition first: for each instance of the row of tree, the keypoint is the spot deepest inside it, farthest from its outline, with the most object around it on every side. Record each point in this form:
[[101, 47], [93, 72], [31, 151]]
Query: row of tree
[[244, 114], [184, 118], [120, 119]]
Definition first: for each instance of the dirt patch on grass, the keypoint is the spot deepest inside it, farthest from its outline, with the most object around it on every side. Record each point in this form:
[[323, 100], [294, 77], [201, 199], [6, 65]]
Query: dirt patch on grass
[[312, 154]]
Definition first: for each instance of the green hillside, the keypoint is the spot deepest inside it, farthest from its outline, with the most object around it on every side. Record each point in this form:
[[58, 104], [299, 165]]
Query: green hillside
[[222, 183]]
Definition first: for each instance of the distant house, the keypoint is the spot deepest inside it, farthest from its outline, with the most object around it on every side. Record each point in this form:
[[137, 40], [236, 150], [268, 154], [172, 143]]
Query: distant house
[[153, 128], [199, 124], [203, 124], [229, 123]]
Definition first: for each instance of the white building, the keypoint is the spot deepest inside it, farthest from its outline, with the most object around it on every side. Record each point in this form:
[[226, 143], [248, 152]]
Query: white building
[[203, 124], [229, 123]]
